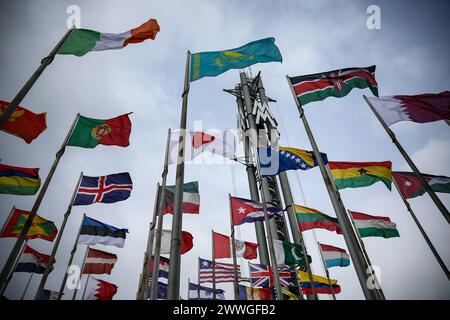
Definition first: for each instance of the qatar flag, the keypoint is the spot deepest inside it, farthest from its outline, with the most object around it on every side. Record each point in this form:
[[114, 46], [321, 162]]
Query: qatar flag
[[420, 108], [217, 143]]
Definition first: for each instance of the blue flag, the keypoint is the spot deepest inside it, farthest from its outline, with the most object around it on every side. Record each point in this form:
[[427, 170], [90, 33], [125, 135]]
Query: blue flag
[[106, 189], [213, 63], [197, 292]]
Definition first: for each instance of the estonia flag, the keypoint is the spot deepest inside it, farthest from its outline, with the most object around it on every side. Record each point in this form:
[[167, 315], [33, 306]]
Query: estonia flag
[[95, 232]]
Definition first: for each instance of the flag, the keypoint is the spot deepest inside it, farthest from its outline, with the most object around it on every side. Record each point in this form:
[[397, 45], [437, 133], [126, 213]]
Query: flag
[[105, 189], [99, 262], [163, 267], [374, 226], [336, 83], [334, 256], [308, 218], [198, 292], [274, 161], [321, 284], [289, 295], [218, 143], [411, 187], [249, 293], [49, 295], [419, 108], [97, 289], [32, 261], [95, 232], [82, 41], [161, 291], [88, 132], [19, 181], [23, 123], [222, 247], [191, 198], [223, 272], [166, 238], [360, 174], [262, 275], [247, 211], [40, 228], [213, 63], [288, 253]]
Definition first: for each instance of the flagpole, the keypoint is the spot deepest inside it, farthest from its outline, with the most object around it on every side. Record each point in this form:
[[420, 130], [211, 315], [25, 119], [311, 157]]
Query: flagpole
[[233, 250], [14, 268], [416, 171], [251, 283], [26, 287], [296, 233], [326, 270], [422, 231], [85, 286], [27, 86], [173, 289], [145, 278], [161, 204], [8, 219], [198, 279], [51, 260], [69, 263], [213, 266], [350, 238], [15, 251], [81, 275]]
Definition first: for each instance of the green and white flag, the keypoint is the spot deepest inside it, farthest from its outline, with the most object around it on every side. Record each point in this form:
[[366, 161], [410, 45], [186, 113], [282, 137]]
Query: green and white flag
[[288, 253]]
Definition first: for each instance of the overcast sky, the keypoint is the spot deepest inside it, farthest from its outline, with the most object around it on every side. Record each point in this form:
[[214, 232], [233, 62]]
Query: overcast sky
[[411, 52]]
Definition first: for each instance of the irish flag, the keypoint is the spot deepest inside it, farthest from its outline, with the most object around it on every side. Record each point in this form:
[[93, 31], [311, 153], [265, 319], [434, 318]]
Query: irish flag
[[410, 186], [82, 41], [308, 218], [191, 198], [374, 226]]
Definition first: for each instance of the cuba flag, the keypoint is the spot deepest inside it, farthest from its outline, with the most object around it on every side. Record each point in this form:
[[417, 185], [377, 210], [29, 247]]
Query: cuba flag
[[105, 189], [274, 161]]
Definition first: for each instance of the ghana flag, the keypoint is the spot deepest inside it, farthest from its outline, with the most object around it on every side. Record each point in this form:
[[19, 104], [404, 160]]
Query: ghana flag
[[308, 219], [88, 132], [19, 181], [360, 174], [336, 83], [40, 228]]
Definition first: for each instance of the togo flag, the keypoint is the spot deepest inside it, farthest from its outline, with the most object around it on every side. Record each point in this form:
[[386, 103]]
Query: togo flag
[[82, 41], [213, 63], [288, 253]]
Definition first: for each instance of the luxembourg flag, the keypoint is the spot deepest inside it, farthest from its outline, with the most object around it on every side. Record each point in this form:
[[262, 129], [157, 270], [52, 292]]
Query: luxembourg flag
[[32, 261], [334, 256]]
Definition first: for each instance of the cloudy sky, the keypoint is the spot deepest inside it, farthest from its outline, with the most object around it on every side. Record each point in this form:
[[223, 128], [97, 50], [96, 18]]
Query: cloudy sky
[[411, 51]]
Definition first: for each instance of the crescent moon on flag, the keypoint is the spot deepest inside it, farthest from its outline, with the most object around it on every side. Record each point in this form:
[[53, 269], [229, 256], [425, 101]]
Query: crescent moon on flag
[[296, 257]]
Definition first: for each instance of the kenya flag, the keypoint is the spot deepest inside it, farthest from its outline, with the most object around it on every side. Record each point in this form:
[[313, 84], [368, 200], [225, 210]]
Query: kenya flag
[[336, 83]]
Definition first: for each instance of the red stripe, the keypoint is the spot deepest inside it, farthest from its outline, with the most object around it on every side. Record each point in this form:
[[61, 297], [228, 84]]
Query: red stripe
[[347, 165], [363, 216], [320, 224], [326, 247]]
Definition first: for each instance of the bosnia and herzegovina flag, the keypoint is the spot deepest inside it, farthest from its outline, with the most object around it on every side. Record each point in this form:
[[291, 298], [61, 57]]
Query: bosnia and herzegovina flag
[[336, 83], [18, 180], [41, 228], [274, 161], [360, 174], [82, 41], [213, 63], [95, 232]]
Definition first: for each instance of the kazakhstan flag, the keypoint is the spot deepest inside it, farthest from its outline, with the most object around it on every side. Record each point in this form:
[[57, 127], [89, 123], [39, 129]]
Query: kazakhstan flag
[[213, 63]]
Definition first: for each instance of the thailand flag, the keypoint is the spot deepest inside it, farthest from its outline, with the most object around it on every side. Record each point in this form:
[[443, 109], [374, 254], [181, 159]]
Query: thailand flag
[[247, 211], [106, 189]]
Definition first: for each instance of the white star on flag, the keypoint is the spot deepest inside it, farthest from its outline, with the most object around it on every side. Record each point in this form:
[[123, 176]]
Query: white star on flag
[[205, 263], [241, 210], [408, 183]]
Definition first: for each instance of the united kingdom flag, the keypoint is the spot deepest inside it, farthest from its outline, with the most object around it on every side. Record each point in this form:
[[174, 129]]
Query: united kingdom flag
[[262, 275], [106, 189]]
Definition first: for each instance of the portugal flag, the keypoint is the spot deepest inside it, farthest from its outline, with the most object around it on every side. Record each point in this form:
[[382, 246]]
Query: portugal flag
[[24, 123], [88, 132]]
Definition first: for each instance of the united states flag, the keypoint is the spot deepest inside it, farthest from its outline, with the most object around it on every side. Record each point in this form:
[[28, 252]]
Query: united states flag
[[223, 272], [262, 275]]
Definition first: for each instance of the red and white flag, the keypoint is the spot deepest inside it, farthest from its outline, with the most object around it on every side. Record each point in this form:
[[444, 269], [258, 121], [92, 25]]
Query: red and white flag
[[99, 262], [217, 143], [99, 290], [244, 249], [420, 108]]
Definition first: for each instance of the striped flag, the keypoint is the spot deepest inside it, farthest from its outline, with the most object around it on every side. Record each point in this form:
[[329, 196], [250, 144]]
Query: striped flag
[[99, 262], [223, 272]]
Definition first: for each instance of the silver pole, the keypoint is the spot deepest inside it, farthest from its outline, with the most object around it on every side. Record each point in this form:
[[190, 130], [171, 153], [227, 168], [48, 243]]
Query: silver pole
[[26, 287], [81, 275], [13, 269], [213, 265], [326, 271], [233, 250], [85, 287], [173, 290]]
